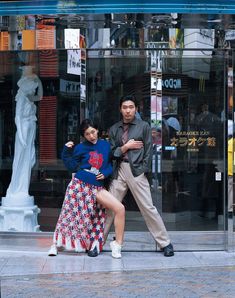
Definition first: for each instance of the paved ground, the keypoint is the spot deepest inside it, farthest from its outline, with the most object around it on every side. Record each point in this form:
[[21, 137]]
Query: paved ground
[[138, 274], [185, 282]]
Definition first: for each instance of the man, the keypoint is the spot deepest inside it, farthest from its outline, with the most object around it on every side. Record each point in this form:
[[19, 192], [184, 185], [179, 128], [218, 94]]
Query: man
[[131, 147]]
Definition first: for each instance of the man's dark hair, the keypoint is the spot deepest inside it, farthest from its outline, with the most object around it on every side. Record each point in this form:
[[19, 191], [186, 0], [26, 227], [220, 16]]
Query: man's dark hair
[[128, 97], [86, 123]]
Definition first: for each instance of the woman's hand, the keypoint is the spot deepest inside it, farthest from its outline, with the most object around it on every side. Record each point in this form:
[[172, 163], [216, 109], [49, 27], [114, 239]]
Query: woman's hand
[[69, 144], [100, 176]]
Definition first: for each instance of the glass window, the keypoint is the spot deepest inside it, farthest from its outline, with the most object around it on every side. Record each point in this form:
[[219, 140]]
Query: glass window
[[189, 133], [58, 118], [193, 141], [187, 181]]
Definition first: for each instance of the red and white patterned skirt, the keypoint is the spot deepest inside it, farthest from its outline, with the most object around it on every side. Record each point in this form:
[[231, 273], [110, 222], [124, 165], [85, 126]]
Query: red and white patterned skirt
[[81, 221]]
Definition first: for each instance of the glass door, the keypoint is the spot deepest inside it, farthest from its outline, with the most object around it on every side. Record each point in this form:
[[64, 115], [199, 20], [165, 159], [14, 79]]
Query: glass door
[[183, 97], [194, 142]]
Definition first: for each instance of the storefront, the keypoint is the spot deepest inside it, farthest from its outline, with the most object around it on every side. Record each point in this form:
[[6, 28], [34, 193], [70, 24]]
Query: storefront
[[178, 62]]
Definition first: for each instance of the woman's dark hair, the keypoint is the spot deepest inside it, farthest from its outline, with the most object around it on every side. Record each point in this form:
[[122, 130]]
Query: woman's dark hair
[[128, 97], [86, 123]]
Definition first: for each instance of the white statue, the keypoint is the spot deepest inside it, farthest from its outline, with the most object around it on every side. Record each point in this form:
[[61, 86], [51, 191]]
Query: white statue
[[30, 90]]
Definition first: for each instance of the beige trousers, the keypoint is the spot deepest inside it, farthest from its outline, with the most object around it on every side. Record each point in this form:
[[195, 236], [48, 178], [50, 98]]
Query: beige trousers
[[140, 189]]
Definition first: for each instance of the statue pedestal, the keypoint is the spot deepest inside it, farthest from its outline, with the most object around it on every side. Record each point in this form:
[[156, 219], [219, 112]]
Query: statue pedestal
[[21, 217]]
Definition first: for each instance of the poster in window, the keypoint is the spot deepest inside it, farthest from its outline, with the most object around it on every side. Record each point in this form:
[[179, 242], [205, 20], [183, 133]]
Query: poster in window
[[74, 62]]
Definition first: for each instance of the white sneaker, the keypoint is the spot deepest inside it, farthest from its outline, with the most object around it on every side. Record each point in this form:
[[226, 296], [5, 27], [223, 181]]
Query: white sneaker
[[53, 251], [116, 249]]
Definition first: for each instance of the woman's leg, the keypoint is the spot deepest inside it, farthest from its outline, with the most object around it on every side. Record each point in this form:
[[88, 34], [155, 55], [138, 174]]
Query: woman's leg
[[107, 200]]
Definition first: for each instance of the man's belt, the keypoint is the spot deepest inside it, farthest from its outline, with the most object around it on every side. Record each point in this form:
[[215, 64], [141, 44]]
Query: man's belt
[[125, 160]]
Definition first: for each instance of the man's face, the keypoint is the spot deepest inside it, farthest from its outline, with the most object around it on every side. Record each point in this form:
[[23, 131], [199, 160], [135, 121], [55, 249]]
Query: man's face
[[128, 110]]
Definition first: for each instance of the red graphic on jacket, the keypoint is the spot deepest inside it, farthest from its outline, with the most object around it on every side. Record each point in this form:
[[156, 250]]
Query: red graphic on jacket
[[96, 159]]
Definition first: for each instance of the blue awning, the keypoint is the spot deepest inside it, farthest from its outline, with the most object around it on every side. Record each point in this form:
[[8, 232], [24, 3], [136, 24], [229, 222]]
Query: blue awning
[[116, 6]]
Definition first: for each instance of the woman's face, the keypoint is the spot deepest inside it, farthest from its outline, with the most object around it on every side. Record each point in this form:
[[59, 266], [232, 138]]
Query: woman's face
[[91, 134]]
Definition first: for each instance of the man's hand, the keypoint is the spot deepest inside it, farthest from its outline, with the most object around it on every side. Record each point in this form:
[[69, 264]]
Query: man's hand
[[132, 144]]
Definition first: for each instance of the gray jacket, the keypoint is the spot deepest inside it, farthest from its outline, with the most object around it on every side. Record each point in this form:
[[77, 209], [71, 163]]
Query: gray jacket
[[139, 159]]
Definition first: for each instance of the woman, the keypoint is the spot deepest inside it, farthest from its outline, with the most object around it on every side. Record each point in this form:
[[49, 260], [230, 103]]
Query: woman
[[81, 222]]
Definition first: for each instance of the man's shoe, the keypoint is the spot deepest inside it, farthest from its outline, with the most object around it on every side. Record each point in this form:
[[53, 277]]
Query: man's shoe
[[94, 251], [168, 250], [53, 251], [116, 249]]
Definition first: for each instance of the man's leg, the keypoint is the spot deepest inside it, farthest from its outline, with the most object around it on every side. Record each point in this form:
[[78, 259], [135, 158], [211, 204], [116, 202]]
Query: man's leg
[[118, 189], [140, 189]]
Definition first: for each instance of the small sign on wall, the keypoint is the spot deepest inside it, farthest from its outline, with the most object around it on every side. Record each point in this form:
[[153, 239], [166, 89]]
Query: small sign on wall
[[218, 176]]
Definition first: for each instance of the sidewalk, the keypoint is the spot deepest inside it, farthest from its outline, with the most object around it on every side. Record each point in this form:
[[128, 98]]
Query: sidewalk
[[25, 254], [26, 271], [27, 274], [15, 263]]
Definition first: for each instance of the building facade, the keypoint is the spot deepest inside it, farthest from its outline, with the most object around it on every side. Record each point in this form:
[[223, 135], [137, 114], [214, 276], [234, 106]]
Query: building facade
[[177, 59]]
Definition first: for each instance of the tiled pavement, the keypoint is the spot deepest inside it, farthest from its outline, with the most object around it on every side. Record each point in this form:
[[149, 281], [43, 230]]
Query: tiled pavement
[[14, 263], [206, 282], [138, 274], [26, 270]]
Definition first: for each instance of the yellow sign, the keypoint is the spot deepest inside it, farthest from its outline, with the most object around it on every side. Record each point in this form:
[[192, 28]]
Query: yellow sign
[[193, 140]]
